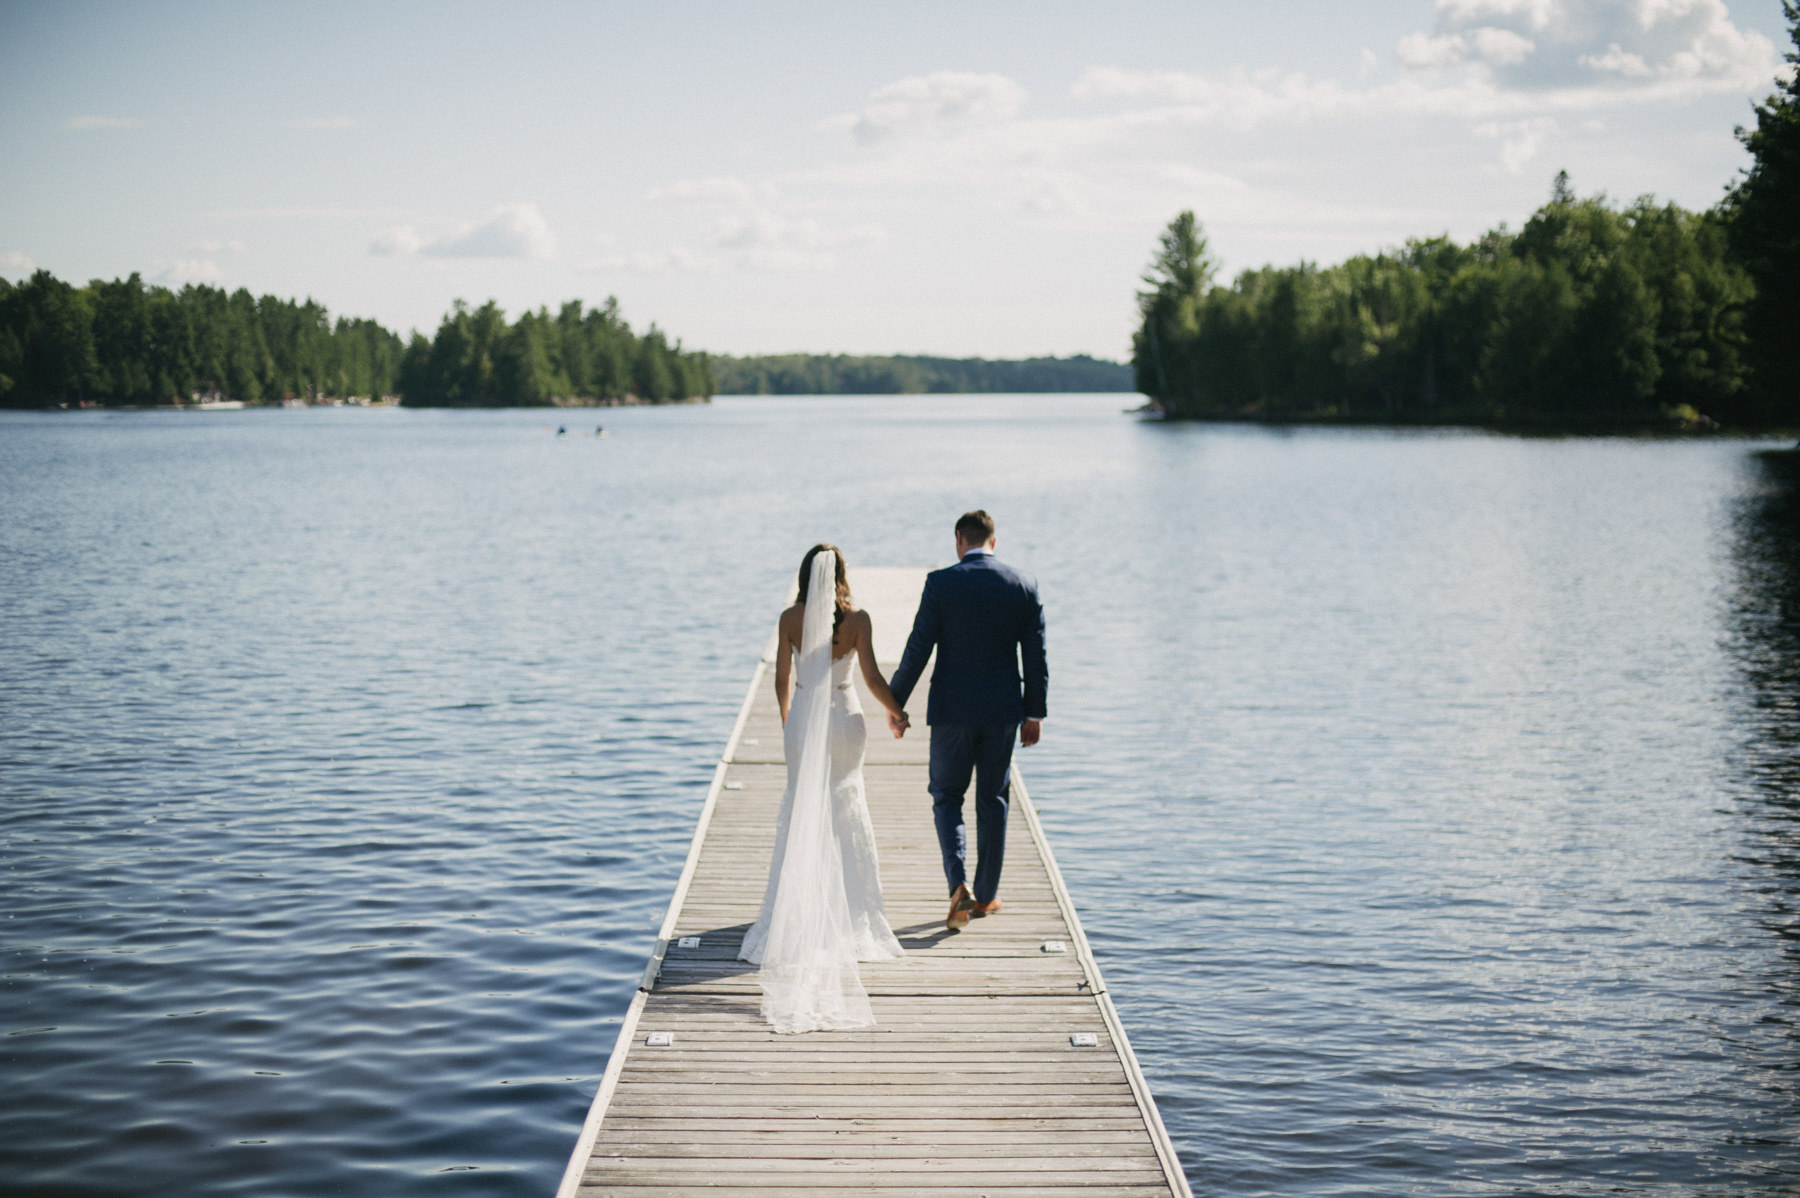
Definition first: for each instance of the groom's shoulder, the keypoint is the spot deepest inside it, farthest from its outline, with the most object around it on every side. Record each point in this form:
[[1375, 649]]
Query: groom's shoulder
[[951, 580], [978, 576], [938, 578], [1014, 575]]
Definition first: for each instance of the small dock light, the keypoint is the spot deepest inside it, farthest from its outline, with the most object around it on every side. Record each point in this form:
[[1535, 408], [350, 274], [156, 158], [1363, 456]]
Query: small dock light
[[665, 1039]]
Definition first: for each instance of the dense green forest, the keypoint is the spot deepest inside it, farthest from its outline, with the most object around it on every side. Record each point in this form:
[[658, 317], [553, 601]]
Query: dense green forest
[[1589, 314], [123, 342], [478, 360], [842, 374], [1762, 211], [126, 342], [1594, 314]]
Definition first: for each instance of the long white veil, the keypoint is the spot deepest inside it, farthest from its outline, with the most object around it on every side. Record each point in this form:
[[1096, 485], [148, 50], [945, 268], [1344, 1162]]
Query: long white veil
[[809, 975]]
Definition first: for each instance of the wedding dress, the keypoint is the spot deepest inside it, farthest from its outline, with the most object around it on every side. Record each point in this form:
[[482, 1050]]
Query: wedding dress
[[822, 910]]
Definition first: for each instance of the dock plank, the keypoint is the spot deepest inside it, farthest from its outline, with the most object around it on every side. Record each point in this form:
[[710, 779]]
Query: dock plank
[[969, 1083]]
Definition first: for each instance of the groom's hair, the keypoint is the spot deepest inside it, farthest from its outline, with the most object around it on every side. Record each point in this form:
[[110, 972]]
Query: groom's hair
[[975, 528]]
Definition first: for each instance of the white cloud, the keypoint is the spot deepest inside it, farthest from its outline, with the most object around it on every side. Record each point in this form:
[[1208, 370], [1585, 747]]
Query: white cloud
[[398, 240], [512, 231], [1513, 82], [926, 103], [1477, 75], [1501, 47], [1511, 66], [1423, 52], [1671, 46], [1483, 45], [1618, 61], [1520, 141], [216, 245], [12, 262], [188, 270], [1117, 171], [101, 122], [1489, 59], [765, 241]]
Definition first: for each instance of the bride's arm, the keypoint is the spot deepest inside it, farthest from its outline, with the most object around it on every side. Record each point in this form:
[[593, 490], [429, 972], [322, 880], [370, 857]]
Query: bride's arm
[[865, 652], [784, 663]]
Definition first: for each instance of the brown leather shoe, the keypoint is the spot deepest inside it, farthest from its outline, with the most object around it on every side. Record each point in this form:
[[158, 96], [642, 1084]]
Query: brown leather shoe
[[960, 905], [988, 908]]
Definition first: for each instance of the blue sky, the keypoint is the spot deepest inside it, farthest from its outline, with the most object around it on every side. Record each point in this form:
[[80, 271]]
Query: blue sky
[[957, 178]]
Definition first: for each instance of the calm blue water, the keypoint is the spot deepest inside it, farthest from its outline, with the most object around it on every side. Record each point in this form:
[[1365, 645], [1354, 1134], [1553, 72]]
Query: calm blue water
[[1432, 797]]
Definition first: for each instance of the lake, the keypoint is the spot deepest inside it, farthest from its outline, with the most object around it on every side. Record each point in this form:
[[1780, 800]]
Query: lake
[[1432, 798]]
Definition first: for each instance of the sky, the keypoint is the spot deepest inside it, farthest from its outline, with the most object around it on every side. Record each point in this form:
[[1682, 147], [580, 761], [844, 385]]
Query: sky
[[967, 179]]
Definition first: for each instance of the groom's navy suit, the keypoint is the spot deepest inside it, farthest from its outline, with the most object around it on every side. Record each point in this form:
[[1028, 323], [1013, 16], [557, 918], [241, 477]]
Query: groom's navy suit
[[986, 622]]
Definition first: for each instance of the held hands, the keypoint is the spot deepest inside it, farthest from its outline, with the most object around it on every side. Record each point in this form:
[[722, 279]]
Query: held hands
[[1028, 733], [898, 723]]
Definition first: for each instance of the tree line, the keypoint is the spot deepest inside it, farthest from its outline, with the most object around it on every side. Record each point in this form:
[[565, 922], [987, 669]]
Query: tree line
[[1593, 314], [125, 342], [845, 374], [591, 354]]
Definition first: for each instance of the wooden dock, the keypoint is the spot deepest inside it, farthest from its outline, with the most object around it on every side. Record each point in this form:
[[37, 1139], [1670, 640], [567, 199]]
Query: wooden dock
[[998, 1066]]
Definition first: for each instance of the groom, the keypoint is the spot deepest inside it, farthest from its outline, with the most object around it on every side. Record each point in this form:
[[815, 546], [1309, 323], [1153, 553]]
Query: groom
[[985, 619]]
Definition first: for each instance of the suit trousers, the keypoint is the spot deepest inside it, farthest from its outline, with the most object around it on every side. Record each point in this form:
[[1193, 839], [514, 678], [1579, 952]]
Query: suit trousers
[[957, 752]]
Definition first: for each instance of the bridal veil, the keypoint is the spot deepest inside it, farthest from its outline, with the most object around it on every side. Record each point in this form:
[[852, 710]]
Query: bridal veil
[[809, 973]]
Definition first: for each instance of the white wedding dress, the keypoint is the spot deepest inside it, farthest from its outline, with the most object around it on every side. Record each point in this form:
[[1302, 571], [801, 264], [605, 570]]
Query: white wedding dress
[[822, 910]]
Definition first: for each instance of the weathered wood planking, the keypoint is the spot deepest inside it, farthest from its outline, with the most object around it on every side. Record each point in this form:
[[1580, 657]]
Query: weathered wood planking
[[969, 1084]]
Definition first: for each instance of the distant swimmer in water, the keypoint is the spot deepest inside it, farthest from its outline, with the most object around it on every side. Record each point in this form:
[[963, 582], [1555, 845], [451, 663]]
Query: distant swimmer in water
[[599, 430], [561, 431]]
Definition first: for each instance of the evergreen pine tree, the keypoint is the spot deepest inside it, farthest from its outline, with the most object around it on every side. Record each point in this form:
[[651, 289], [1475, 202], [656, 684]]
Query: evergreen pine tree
[[1764, 208]]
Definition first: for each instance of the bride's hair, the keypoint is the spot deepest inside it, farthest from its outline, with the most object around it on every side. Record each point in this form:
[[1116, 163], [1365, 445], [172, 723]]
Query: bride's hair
[[843, 582]]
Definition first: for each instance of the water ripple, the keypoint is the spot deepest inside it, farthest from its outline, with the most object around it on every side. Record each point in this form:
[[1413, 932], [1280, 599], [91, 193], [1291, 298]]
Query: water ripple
[[1431, 795]]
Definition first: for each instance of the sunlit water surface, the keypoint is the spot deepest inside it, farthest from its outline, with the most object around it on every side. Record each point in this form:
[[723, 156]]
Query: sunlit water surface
[[1430, 797]]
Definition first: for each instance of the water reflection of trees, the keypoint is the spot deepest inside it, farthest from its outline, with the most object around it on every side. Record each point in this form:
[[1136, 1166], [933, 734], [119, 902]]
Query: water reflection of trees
[[1766, 622], [1765, 641]]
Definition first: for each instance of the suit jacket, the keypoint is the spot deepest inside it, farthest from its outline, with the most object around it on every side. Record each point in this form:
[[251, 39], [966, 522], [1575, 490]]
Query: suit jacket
[[985, 620]]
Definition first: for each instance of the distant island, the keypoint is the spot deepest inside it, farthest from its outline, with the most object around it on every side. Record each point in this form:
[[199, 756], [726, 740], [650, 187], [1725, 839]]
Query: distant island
[[905, 374]]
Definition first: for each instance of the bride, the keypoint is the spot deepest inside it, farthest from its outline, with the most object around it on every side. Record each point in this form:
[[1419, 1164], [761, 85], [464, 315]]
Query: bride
[[822, 910]]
